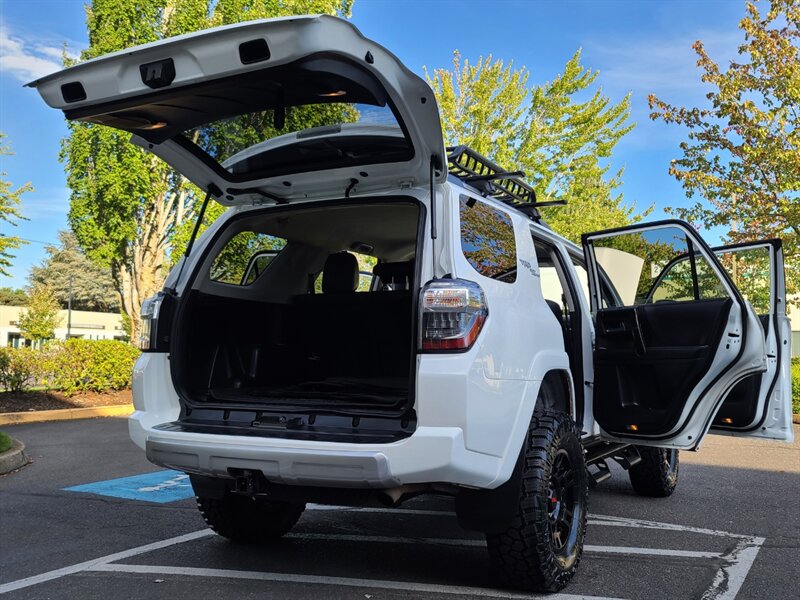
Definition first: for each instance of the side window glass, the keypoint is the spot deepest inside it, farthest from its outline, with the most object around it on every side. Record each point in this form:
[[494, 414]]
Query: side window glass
[[487, 240], [749, 269], [656, 265], [258, 263], [242, 260], [676, 284]]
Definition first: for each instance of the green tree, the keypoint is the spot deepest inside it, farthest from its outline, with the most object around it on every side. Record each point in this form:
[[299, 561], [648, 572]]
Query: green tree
[[742, 153], [126, 205], [40, 318], [9, 212], [562, 144], [13, 297], [65, 267]]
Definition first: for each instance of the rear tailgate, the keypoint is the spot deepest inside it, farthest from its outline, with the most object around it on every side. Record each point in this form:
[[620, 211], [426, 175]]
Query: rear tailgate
[[167, 92]]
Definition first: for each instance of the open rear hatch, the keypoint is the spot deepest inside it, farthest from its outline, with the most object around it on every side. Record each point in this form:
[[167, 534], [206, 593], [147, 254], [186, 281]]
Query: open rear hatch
[[277, 111], [199, 99]]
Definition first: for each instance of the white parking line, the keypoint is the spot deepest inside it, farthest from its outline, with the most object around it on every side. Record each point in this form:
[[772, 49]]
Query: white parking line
[[406, 586], [729, 579], [346, 537], [85, 566], [727, 582]]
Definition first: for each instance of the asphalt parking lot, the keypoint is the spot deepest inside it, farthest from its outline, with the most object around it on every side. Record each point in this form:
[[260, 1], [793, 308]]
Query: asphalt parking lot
[[731, 530]]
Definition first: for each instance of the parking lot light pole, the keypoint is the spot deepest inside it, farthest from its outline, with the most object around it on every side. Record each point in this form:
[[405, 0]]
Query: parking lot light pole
[[69, 308]]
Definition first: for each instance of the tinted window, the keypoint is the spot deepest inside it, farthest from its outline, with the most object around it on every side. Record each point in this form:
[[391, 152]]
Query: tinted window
[[656, 265], [231, 264], [487, 240]]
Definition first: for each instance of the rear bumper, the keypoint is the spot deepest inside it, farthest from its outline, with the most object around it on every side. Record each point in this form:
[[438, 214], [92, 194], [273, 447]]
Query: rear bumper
[[430, 455], [437, 452]]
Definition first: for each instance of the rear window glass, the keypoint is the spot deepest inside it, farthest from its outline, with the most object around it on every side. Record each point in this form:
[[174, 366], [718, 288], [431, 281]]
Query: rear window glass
[[322, 135], [487, 240], [246, 255]]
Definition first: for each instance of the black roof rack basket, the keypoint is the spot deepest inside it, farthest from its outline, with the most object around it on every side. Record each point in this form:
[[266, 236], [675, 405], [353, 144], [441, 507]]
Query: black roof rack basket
[[472, 167], [492, 180]]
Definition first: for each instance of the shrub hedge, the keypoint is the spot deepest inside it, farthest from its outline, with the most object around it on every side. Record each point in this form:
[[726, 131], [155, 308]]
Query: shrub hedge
[[18, 368], [796, 385], [76, 365]]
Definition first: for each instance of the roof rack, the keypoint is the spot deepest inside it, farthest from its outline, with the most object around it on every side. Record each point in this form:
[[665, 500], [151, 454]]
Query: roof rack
[[492, 180]]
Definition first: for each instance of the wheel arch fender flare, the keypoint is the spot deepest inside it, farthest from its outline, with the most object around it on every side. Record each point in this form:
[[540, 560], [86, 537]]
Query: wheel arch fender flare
[[491, 510]]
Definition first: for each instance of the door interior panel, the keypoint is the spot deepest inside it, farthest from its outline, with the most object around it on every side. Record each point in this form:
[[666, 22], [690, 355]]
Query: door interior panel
[[741, 405], [648, 359]]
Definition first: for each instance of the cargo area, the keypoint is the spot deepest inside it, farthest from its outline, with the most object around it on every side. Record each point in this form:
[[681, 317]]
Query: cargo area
[[300, 314]]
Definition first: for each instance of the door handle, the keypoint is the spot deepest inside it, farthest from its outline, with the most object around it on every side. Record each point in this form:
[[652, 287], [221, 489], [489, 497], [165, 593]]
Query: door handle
[[614, 327]]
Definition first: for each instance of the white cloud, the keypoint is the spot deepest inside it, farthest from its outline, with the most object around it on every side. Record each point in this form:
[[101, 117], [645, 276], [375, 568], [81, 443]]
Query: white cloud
[[45, 203], [27, 60], [662, 66]]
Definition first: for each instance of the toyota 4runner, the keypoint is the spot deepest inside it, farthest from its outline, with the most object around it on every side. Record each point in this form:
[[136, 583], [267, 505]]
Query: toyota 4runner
[[377, 316]]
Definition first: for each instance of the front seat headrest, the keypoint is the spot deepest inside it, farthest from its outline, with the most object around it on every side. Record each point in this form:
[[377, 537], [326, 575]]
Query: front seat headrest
[[340, 273]]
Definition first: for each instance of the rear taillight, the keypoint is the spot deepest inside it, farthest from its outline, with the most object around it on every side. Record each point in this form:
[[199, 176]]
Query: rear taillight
[[452, 312], [156, 315]]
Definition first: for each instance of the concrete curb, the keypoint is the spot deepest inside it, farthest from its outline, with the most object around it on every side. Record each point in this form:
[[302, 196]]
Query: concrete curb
[[13, 458], [65, 414], [796, 419]]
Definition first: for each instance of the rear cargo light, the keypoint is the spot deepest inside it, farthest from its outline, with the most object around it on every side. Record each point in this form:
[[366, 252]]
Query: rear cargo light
[[452, 312]]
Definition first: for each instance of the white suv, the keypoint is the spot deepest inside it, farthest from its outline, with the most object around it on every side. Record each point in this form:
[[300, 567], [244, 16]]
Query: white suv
[[377, 316]]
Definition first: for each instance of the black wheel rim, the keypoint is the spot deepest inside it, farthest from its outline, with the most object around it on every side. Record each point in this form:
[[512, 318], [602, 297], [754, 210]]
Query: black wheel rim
[[563, 504]]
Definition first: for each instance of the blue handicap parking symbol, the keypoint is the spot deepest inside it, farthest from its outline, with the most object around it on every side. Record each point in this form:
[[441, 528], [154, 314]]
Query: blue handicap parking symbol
[[161, 487]]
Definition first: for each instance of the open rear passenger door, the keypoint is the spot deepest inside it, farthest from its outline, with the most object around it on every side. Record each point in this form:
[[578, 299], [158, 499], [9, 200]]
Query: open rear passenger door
[[679, 338], [760, 405]]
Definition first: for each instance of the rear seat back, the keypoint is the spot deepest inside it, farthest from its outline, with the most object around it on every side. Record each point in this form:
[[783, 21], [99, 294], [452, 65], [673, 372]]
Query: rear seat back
[[395, 275], [345, 333]]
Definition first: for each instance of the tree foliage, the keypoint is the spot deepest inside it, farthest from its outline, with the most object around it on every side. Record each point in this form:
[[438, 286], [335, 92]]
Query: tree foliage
[[67, 266], [564, 145], [13, 297], [742, 153], [126, 205], [9, 211], [40, 318]]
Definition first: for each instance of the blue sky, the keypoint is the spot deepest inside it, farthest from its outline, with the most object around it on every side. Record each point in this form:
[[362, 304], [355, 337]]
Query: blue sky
[[641, 46]]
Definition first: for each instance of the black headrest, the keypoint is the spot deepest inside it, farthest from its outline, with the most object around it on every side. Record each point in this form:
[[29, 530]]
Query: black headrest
[[397, 273], [340, 273]]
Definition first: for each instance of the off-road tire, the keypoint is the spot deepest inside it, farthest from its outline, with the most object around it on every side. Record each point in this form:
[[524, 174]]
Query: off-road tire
[[248, 520], [657, 473], [526, 555]]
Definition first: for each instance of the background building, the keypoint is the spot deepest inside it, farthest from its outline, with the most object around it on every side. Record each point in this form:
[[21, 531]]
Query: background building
[[85, 324]]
